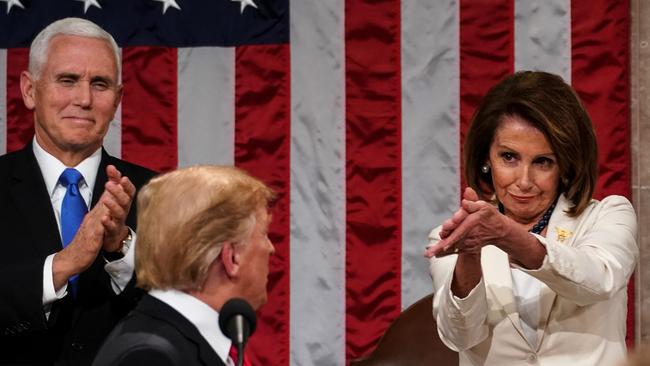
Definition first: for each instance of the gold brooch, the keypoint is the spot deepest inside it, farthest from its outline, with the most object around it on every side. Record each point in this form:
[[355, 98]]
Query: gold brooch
[[562, 234]]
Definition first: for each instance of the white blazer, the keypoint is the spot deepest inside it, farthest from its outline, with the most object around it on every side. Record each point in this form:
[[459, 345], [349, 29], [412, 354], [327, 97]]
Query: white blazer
[[582, 302]]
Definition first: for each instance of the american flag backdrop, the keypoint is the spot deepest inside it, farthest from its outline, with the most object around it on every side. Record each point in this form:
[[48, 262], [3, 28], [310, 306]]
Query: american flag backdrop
[[354, 111]]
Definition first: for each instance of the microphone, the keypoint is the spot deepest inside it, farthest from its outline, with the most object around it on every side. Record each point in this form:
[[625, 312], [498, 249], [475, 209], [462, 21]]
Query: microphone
[[237, 321]]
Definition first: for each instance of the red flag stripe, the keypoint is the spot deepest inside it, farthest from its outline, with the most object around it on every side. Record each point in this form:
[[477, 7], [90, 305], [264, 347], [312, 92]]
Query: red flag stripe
[[373, 170], [262, 147], [600, 75], [20, 120], [486, 53], [149, 107], [600, 36]]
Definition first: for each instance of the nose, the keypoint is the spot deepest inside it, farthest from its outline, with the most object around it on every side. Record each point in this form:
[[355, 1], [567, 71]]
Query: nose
[[524, 181], [270, 246], [83, 94]]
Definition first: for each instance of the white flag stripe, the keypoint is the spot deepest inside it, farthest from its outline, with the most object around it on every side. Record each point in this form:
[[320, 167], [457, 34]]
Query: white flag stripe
[[206, 106], [543, 36], [113, 138], [3, 101], [430, 131], [317, 325]]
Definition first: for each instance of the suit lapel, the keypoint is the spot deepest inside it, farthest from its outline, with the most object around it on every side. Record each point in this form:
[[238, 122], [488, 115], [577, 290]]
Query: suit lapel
[[498, 279], [30, 196], [560, 231], [101, 178]]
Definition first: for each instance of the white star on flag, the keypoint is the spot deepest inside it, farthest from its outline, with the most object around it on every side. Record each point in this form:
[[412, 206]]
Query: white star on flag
[[245, 3], [89, 3], [168, 3], [11, 3]]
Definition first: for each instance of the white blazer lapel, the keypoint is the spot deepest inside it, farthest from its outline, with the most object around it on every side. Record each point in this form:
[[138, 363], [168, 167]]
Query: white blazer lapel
[[498, 280], [560, 231]]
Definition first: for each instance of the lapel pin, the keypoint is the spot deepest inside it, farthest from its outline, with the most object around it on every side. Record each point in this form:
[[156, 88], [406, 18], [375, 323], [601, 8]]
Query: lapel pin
[[562, 234]]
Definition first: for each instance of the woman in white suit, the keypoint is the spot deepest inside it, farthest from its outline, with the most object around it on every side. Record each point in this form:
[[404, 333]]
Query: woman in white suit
[[531, 269]]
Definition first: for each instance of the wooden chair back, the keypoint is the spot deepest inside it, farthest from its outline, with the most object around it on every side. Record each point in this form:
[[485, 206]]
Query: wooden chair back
[[411, 340]]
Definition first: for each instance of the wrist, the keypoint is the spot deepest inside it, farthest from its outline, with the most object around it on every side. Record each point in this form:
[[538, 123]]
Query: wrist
[[533, 257], [121, 249], [510, 236], [467, 274], [63, 268], [529, 254]]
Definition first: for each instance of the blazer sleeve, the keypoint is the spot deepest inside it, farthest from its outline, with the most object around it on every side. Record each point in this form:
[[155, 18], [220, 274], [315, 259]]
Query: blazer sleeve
[[600, 259], [462, 323]]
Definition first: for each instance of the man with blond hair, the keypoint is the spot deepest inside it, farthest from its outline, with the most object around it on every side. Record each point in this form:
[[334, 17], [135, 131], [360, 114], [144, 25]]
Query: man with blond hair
[[202, 240]]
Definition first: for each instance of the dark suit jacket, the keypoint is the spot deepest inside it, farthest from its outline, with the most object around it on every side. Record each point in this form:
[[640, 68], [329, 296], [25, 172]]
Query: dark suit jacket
[[76, 327], [156, 334]]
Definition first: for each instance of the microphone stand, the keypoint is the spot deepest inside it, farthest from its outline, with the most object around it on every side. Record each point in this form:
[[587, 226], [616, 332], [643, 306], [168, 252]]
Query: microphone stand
[[240, 354], [239, 320]]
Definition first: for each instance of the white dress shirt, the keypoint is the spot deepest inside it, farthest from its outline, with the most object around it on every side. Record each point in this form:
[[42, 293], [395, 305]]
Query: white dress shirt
[[526, 291], [120, 270], [202, 316]]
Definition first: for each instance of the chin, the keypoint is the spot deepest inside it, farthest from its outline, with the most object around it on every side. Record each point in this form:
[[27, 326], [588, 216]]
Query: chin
[[259, 302], [83, 142]]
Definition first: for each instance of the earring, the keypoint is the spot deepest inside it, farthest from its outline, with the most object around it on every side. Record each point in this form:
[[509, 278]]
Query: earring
[[485, 169]]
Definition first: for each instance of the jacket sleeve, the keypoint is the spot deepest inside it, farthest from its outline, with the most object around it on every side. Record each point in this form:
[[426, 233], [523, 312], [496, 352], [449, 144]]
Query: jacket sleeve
[[600, 259], [21, 307], [462, 323], [138, 356]]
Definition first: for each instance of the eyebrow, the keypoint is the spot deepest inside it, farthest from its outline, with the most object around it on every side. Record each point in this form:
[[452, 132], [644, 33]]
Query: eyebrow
[[546, 154], [67, 75], [74, 76]]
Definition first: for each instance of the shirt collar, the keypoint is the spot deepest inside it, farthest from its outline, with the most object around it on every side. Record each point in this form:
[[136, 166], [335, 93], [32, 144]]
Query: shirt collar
[[51, 167], [201, 315]]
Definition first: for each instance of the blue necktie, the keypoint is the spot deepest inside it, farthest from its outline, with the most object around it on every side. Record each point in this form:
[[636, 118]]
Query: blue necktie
[[73, 210]]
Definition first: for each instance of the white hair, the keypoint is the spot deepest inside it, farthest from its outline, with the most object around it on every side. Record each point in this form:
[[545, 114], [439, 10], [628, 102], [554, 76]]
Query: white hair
[[68, 27]]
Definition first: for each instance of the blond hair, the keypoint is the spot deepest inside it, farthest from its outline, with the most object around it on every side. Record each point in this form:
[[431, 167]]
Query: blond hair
[[186, 215]]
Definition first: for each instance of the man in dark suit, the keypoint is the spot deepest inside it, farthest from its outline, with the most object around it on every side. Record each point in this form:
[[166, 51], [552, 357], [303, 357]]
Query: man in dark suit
[[202, 240], [66, 277]]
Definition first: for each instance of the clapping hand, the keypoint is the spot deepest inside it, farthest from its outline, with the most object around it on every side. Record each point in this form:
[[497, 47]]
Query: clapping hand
[[473, 226], [117, 198]]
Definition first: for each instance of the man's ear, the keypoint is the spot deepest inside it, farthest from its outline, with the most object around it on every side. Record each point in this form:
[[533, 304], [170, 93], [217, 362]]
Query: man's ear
[[230, 259], [119, 93], [28, 89]]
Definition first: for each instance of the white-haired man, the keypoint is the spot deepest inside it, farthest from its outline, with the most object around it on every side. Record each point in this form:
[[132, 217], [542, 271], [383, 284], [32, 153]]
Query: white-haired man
[[66, 271]]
